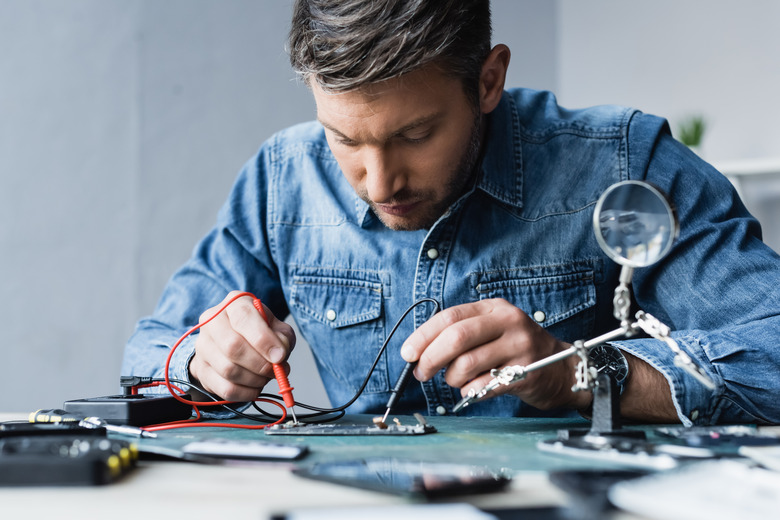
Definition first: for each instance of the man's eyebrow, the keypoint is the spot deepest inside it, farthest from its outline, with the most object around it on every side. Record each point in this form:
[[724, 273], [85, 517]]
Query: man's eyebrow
[[331, 128], [416, 124], [406, 128]]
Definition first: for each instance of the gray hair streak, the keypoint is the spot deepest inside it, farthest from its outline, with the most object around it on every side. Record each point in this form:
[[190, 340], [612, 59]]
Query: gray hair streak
[[345, 44]]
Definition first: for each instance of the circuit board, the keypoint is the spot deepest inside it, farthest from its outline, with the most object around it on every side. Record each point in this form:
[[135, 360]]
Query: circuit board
[[291, 428]]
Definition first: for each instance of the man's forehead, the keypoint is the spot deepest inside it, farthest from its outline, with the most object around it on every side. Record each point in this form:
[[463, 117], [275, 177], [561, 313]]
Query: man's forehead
[[400, 102]]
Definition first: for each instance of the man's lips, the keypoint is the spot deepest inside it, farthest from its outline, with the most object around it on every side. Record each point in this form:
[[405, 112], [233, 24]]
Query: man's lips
[[398, 210]]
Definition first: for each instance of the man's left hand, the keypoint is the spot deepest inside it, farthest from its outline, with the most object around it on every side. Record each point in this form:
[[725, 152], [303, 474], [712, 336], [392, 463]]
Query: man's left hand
[[471, 339]]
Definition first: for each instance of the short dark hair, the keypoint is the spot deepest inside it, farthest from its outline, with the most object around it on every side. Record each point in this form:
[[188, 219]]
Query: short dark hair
[[345, 44]]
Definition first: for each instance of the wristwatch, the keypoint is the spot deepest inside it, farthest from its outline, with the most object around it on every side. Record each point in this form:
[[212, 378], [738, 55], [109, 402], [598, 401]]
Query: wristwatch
[[611, 361]]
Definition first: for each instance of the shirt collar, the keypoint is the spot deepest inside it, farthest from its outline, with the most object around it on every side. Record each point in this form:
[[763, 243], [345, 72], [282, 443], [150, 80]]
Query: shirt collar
[[363, 212], [502, 163]]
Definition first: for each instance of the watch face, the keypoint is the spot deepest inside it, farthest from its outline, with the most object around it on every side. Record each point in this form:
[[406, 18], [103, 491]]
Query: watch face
[[611, 361]]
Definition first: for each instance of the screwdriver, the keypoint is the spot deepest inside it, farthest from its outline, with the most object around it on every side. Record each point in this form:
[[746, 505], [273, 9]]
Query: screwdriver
[[61, 416], [399, 387]]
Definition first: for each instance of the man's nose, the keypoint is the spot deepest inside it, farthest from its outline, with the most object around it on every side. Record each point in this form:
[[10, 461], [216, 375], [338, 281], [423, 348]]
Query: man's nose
[[384, 176]]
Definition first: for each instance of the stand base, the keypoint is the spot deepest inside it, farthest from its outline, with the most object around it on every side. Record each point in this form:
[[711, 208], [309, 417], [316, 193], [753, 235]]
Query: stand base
[[579, 433]]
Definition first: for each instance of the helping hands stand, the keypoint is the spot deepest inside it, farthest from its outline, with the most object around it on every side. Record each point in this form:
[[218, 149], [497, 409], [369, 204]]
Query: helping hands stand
[[636, 226]]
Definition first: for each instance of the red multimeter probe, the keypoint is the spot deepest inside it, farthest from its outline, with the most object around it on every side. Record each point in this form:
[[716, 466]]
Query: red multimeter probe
[[281, 378]]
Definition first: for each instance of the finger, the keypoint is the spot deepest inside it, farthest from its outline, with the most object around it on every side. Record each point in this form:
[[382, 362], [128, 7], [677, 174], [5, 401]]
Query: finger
[[223, 347], [284, 331], [209, 313], [249, 323], [231, 357], [479, 383], [463, 328], [426, 333], [227, 389], [460, 339], [477, 362]]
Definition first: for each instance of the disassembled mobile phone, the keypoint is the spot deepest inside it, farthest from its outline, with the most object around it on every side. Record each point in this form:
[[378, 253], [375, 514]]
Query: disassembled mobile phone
[[717, 436], [247, 450], [427, 479], [635, 453]]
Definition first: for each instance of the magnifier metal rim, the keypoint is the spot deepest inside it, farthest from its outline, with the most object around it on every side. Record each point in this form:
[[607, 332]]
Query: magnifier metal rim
[[608, 250]]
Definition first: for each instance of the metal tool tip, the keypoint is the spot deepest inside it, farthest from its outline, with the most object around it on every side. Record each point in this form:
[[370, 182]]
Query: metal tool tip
[[384, 417], [463, 403]]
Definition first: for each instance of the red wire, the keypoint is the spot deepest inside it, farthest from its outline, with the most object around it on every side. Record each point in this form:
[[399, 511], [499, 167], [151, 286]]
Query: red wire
[[192, 422]]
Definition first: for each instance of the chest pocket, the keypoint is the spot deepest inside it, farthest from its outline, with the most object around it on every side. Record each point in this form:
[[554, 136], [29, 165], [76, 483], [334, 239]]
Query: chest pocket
[[339, 313], [561, 298]]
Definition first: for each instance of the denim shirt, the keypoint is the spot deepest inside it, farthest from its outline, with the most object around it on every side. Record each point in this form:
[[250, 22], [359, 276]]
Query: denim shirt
[[294, 233]]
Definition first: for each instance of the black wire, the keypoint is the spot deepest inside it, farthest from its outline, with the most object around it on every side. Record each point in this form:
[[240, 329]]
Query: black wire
[[339, 414], [270, 417], [215, 398], [339, 410]]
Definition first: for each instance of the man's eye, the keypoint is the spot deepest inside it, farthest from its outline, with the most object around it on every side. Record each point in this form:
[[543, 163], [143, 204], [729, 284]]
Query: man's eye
[[345, 142], [416, 139]]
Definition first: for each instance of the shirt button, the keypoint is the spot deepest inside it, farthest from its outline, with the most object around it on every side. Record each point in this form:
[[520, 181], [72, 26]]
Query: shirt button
[[433, 253], [540, 316], [331, 315], [441, 410], [694, 415]]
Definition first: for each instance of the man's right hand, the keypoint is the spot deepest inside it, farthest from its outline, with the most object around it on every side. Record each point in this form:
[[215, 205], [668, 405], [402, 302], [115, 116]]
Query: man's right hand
[[235, 351]]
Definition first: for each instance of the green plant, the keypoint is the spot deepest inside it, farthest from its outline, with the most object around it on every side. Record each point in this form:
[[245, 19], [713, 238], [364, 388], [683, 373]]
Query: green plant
[[691, 130]]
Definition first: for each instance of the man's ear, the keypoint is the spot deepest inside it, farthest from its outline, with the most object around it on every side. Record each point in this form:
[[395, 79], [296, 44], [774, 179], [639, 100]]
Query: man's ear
[[492, 78]]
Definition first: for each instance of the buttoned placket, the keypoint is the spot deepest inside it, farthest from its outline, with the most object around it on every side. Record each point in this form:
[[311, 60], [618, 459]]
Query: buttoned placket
[[430, 277]]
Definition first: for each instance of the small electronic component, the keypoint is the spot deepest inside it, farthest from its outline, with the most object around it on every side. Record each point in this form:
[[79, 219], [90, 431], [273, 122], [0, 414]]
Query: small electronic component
[[421, 428]]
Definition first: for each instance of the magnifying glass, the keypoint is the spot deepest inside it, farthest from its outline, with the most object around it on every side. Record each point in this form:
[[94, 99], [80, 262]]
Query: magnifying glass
[[635, 224]]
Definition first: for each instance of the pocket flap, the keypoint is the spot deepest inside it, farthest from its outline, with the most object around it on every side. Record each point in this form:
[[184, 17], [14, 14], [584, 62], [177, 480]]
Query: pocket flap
[[550, 294], [337, 297]]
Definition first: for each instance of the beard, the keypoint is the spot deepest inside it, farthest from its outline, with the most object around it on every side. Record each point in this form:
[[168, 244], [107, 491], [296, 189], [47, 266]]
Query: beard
[[456, 185]]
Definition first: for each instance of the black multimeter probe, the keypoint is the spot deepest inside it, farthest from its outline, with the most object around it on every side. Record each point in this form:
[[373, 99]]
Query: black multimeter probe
[[406, 373], [399, 387]]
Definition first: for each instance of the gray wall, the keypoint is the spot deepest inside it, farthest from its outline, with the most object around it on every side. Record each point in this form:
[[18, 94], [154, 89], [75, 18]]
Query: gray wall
[[718, 58], [123, 124]]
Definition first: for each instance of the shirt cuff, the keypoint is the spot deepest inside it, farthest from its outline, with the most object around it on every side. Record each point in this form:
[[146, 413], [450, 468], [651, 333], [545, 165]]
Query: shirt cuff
[[695, 403], [179, 367]]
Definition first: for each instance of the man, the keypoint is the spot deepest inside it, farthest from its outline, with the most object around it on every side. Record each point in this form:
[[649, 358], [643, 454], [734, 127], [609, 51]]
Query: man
[[423, 178]]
